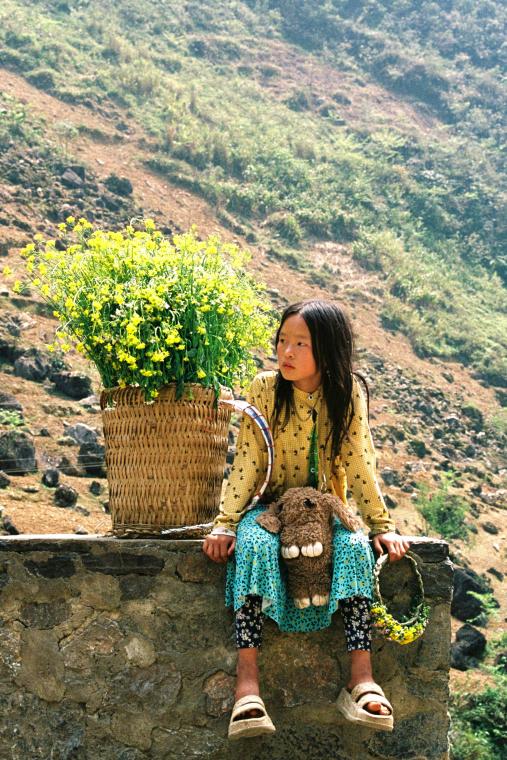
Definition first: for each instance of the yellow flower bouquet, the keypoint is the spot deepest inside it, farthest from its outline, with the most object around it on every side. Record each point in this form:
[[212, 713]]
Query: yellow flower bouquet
[[170, 325], [149, 311]]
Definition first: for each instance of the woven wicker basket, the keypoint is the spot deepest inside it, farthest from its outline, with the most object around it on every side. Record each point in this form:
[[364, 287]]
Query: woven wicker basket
[[165, 460]]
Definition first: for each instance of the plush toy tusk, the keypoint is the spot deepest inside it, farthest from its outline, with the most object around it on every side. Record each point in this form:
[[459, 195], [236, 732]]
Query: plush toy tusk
[[317, 549], [307, 550], [291, 552], [318, 600], [302, 603]]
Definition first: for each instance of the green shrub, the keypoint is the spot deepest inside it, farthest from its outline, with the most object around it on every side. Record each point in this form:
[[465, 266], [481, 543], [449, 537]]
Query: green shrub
[[478, 731], [469, 745], [443, 511], [287, 226], [11, 418]]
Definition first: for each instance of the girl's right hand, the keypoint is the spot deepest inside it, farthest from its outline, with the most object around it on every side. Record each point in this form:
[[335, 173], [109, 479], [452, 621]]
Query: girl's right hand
[[219, 547]]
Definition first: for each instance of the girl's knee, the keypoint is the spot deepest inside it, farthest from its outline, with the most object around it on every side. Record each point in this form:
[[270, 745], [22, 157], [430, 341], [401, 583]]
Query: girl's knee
[[356, 543], [257, 540]]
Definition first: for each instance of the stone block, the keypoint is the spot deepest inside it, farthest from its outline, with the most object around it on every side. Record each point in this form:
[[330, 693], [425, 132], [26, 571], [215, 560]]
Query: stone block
[[41, 667]]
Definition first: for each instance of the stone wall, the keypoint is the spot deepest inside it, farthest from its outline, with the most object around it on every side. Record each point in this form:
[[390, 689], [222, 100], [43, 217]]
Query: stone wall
[[122, 649]]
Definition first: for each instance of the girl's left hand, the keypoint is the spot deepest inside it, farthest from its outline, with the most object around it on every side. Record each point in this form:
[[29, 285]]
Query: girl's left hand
[[396, 545]]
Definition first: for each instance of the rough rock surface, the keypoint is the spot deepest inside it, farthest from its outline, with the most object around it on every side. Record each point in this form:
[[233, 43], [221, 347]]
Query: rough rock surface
[[33, 365], [76, 385], [117, 648], [17, 452], [468, 648]]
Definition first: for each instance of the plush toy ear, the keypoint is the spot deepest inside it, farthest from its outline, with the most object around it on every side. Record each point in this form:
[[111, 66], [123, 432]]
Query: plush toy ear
[[269, 521], [345, 514]]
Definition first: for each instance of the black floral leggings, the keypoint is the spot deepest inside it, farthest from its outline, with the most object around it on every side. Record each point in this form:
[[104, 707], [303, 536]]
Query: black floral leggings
[[356, 619]]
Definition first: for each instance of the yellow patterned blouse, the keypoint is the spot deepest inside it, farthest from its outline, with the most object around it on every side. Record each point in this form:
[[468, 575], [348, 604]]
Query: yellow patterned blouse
[[354, 468]]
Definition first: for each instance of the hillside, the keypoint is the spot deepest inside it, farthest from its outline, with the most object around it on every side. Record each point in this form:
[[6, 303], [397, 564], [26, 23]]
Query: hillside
[[341, 182]]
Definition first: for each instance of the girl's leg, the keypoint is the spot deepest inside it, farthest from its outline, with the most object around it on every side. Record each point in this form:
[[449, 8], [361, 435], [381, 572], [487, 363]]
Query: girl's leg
[[248, 640], [357, 622]]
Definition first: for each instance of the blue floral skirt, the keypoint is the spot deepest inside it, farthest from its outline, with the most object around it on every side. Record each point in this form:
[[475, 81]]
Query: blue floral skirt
[[256, 567]]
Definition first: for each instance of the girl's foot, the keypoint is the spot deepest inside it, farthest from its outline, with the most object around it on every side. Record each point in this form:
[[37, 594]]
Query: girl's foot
[[373, 707], [361, 672]]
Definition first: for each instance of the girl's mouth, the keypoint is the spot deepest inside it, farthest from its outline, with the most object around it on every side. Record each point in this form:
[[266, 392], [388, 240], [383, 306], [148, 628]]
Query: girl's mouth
[[288, 366]]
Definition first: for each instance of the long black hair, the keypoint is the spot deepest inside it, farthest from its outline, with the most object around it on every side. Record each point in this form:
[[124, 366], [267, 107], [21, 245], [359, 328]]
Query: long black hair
[[333, 352]]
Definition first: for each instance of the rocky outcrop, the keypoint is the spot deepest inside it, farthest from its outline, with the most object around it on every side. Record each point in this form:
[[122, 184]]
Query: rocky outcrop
[[465, 606], [33, 364], [468, 648], [117, 648], [76, 385], [17, 452]]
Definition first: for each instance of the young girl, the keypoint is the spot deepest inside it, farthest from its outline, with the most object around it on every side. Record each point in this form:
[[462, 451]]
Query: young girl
[[315, 390]]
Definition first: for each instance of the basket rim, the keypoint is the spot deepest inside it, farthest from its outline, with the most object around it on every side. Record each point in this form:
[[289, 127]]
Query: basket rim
[[138, 393]]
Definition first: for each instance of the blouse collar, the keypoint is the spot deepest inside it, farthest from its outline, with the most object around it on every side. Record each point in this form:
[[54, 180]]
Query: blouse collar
[[309, 399]]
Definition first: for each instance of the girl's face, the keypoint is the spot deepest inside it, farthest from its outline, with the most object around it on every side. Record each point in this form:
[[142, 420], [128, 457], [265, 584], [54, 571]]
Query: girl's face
[[295, 354]]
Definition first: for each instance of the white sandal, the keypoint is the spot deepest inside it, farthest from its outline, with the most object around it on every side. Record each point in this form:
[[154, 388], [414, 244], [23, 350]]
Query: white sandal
[[238, 729], [352, 706]]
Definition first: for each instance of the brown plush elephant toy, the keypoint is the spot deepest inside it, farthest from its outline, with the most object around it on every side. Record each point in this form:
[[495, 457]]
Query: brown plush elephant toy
[[304, 518]]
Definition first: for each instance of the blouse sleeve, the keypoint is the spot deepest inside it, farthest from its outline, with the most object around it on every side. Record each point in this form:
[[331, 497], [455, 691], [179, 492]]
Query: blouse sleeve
[[358, 455], [248, 469]]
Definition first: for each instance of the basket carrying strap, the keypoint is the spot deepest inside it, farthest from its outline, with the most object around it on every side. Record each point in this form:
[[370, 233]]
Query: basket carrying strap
[[251, 411]]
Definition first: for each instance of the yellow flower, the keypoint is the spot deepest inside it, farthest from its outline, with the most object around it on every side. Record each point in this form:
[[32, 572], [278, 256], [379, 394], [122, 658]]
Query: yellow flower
[[159, 356], [7, 271], [201, 373], [201, 330]]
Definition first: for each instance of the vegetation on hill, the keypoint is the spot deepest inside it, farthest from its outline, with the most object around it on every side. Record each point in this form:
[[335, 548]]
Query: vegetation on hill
[[287, 157], [478, 719]]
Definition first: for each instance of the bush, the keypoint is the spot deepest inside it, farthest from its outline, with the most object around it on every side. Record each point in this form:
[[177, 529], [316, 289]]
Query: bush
[[11, 418], [478, 731], [43, 79], [443, 511], [287, 226]]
